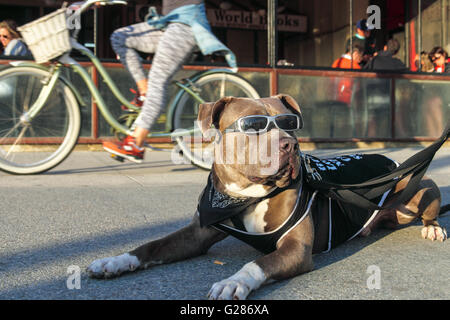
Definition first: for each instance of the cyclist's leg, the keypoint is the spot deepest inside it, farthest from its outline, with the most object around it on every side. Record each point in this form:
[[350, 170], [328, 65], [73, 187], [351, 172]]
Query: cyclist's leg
[[125, 41], [174, 48]]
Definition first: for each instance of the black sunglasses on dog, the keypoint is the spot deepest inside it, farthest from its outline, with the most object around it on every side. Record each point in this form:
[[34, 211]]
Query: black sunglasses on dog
[[256, 124]]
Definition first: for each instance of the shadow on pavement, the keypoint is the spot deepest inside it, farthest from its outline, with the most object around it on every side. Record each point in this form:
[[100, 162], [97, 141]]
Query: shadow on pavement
[[169, 279], [159, 282], [122, 167], [71, 250]]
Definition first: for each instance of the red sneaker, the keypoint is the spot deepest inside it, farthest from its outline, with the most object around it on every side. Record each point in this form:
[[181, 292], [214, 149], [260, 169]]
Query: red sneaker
[[138, 100], [126, 149]]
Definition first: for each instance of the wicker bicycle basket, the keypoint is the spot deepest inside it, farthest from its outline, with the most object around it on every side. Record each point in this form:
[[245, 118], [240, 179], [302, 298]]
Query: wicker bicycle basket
[[48, 36]]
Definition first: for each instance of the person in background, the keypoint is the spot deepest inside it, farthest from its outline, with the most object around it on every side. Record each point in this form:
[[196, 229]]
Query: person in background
[[439, 58], [365, 40], [426, 65], [350, 59], [432, 103], [10, 39], [343, 87], [385, 60], [408, 99], [378, 94]]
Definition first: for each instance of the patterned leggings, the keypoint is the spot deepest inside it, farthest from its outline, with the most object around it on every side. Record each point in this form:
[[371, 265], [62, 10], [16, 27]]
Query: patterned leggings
[[171, 47]]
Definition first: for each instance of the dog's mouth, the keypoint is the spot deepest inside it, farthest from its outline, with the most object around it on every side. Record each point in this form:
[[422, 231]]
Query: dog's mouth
[[287, 172]]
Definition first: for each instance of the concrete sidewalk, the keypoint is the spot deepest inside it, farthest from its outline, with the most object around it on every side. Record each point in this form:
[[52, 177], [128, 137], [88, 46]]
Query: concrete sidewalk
[[92, 206]]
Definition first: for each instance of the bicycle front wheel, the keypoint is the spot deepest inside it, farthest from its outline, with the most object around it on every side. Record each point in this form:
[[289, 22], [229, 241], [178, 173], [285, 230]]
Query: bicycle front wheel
[[210, 88], [34, 145]]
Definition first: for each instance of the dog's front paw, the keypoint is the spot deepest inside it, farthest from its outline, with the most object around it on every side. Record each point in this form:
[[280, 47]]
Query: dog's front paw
[[229, 289], [112, 266], [434, 233], [238, 286]]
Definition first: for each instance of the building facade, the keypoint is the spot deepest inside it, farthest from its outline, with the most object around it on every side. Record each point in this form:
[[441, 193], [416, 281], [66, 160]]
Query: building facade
[[309, 33]]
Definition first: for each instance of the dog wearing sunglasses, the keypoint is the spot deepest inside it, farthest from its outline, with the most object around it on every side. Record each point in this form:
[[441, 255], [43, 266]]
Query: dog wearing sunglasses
[[265, 201]]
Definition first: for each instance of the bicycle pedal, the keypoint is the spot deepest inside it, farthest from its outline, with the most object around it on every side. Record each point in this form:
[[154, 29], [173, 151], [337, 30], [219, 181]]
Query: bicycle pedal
[[128, 111], [118, 158]]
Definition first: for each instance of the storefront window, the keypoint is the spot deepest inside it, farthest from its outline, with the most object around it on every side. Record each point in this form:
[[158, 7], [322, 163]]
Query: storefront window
[[342, 107], [422, 108]]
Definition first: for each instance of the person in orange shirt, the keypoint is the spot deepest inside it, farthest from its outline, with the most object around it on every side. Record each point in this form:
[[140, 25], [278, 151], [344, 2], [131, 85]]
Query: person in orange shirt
[[345, 85], [345, 61], [433, 105]]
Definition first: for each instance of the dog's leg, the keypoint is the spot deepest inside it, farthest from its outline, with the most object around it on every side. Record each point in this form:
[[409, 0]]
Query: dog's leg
[[425, 204], [187, 242], [292, 257]]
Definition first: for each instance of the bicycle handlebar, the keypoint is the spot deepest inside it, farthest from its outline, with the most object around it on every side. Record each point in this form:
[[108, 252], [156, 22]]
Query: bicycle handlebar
[[111, 2], [80, 7]]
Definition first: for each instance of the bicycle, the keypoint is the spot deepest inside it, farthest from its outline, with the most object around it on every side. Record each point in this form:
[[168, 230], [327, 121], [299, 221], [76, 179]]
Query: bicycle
[[37, 101]]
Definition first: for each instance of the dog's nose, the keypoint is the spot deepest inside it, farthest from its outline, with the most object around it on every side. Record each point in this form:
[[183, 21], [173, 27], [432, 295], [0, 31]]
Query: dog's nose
[[288, 145]]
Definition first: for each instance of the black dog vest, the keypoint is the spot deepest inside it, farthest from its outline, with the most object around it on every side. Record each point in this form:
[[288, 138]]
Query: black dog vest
[[345, 220]]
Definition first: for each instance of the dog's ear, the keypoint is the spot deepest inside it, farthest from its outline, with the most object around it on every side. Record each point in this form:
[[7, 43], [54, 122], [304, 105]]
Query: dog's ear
[[204, 116], [289, 103], [209, 113]]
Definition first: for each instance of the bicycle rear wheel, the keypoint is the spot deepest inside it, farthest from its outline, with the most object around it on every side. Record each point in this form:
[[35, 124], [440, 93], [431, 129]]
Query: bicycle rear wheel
[[211, 88], [35, 145]]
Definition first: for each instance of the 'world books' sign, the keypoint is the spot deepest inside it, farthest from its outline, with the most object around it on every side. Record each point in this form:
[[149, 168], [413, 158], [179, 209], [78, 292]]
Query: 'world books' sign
[[254, 20]]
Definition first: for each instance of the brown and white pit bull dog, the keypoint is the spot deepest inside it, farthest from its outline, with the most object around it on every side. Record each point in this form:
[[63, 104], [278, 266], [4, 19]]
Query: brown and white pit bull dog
[[288, 221]]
